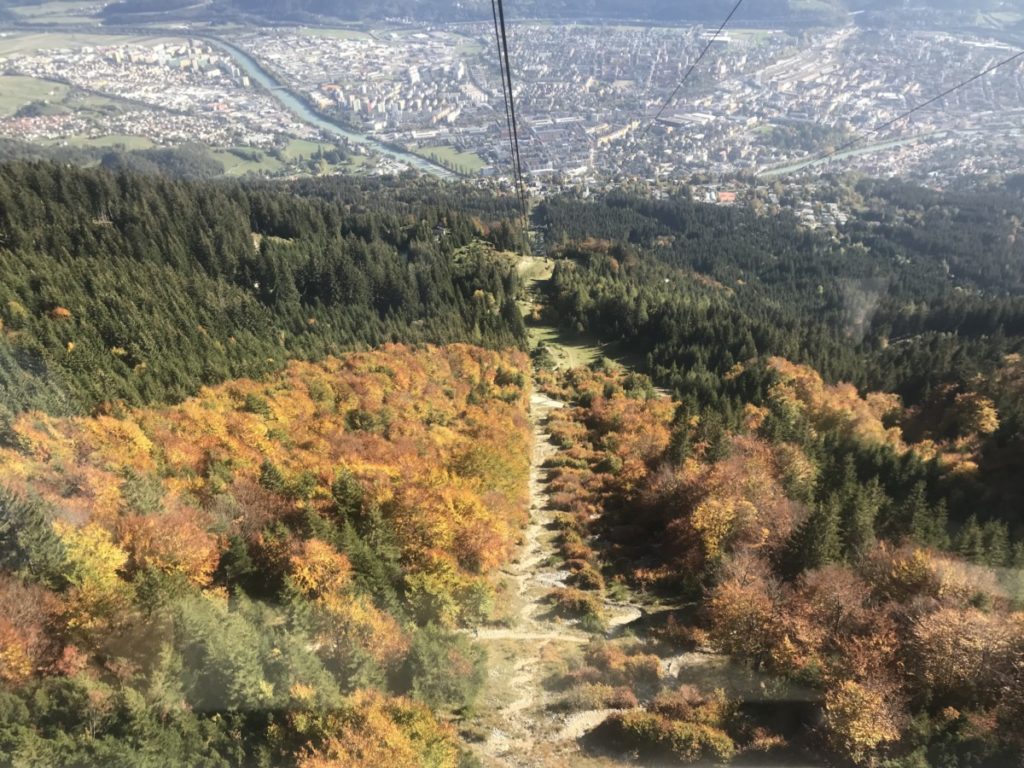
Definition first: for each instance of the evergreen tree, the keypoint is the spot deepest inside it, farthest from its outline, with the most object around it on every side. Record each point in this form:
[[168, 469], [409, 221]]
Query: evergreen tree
[[860, 510], [816, 542], [28, 544]]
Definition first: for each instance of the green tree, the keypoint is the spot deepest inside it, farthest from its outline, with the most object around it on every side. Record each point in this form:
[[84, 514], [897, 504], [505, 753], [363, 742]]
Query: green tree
[[28, 544]]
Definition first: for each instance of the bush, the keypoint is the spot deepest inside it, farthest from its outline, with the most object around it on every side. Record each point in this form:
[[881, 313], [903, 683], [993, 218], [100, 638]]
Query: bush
[[643, 668], [576, 604], [692, 741], [586, 577], [609, 465], [655, 737], [574, 548], [598, 696]]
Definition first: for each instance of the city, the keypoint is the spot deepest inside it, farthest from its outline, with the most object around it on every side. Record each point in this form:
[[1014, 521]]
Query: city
[[591, 99]]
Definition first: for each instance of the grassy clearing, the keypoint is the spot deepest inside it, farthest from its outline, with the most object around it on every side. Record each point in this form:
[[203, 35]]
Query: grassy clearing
[[61, 12], [813, 6], [535, 269], [28, 43], [234, 165], [55, 8], [568, 351], [467, 46], [298, 149], [17, 91], [751, 35], [451, 157], [91, 102], [355, 162]]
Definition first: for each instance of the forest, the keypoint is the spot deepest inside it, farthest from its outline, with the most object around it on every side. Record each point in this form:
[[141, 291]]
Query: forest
[[833, 490], [269, 573], [267, 457], [867, 637], [919, 296], [123, 288]]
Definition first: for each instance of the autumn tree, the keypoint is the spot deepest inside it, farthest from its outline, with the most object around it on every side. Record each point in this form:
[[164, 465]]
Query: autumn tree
[[859, 718]]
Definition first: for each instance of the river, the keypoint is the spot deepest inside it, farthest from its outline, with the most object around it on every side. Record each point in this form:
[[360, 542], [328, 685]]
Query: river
[[303, 111]]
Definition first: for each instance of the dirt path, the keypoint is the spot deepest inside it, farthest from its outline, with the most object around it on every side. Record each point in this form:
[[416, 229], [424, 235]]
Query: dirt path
[[515, 725], [521, 723]]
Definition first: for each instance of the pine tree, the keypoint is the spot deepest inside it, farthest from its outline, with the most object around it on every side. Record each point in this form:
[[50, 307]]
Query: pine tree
[[860, 511], [970, 541], [271, 477], [28, 544], [347, 494], [996, 538], [914, 516], [817, 542]]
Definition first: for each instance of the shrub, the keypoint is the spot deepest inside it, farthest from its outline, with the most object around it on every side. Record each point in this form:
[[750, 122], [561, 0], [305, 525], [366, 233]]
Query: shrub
[[610, 465], [586, 577], [643, 668], [598, 696], [576, 604], [655, 737], [574, 548]]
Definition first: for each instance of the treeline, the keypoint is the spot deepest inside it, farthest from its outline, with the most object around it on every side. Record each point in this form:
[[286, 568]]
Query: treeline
[[271, 573], [133, 288]]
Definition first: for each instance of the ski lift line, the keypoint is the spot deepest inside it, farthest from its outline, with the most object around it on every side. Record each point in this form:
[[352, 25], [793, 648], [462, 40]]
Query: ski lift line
[[497, 11], [686, 76], [882, 126], [504, 96], [512, 109]]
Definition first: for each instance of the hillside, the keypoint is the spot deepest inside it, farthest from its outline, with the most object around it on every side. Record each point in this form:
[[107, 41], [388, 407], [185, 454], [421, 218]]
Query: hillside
[[280, 484], [137, 289], [706, 11], [268, 571], [902, 301]]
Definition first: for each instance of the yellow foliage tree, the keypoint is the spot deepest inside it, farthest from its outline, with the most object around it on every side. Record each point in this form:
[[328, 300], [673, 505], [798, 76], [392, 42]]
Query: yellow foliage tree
[[858, 720], [318, 570], [376, 732], [94, 562]]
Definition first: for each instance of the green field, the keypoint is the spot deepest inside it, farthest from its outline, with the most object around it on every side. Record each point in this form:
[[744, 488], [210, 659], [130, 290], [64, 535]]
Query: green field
[[17, 91], [93, 102], [239, 166], [303, 149], [27, 43], [814, 6], [753, 35], [467, 46], [567, 351], [61, 12], [452, 158], [354, 163], [340, 33]]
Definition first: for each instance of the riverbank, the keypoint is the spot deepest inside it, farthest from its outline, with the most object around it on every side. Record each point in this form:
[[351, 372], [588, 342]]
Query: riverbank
[[290, 100]]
